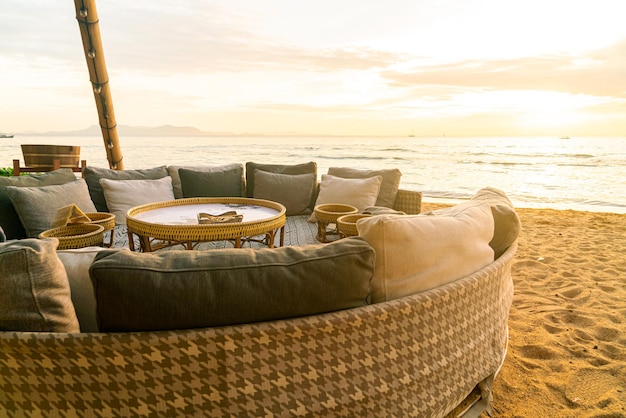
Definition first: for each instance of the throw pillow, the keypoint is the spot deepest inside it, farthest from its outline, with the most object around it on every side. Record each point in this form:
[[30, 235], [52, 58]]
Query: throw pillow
[[92, 176], [507, 225], [77, 263], [294, 191], [173, 172], [9, 219], [415, 253], [303, 168], [37, 206], [34, 289], [226, 181], [191, 289], [388, 188], [360, 193], [122, 195]]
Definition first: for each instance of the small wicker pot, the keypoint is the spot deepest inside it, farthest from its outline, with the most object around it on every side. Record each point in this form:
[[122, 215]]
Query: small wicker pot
[[105, 220], [346, 224], [76, 235], [327, 214]]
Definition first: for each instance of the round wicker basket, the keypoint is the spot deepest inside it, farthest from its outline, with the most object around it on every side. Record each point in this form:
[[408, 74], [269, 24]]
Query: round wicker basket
[[346, 224], [329, 212], [104, 219], [76, 235]]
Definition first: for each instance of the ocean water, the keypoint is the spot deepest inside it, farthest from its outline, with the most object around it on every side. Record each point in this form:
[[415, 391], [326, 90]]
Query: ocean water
[[578, 173]]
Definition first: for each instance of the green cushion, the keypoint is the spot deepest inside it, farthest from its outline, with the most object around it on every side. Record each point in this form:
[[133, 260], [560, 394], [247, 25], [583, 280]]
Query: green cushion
[[173, 172], [92, 176], [9, 219], [190, 289], [34, 288], [226, 181], [37, 206], [294, 191]]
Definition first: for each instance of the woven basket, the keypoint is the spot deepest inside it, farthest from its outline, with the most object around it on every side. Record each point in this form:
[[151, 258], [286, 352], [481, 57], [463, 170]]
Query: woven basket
[[105, 220], [346, 224], [329, 212], [76, 235]]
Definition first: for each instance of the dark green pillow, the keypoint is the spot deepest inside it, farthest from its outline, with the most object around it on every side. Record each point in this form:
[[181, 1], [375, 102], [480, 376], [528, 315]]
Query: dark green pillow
[[220, 182], [191, 289], [9, 219], [92, 176]]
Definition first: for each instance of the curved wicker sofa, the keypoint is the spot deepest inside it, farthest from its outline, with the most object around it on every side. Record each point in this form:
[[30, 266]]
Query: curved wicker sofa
[[416, 356]]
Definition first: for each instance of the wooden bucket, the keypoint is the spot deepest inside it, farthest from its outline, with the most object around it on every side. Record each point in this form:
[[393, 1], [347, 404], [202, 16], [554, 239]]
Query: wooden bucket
[[43, 156]]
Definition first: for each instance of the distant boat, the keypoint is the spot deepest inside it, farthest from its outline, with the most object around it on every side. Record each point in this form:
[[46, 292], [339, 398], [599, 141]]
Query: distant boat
[[3, 135], [565, 137], [412, 134]]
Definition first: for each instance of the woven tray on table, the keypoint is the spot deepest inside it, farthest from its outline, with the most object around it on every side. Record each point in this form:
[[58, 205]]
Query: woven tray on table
[[346, 224], [76, 235]]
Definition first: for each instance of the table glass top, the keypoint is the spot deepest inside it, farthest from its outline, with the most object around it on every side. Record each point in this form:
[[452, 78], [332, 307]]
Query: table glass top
[[188, 214]]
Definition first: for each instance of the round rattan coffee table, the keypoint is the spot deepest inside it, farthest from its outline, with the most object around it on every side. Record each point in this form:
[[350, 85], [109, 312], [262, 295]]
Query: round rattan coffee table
[[175, 222]]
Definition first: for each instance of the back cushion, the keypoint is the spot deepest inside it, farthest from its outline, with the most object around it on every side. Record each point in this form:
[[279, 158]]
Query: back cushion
[[173, 172], [34, 288], [293, 191], [388, 188], [415, 253], [225, 181], [191, 289], [304, 168], [92, 176], [9, 219]]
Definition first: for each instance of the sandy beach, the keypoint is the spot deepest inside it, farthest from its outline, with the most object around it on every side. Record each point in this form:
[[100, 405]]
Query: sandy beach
[[567, 347]]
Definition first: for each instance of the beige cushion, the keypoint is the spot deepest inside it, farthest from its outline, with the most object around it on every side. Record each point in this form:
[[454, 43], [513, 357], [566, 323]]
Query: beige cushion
[[92, 176], [507, 225], [190, 289], [9, 219], [34, 288], [360, 193], [37, 206], [294, 191], [388, 188], [176, 185], [77, 263], [415, 253], [122, 195]]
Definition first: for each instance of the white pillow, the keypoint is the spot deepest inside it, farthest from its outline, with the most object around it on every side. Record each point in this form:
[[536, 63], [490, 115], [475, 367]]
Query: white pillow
[[415, 253], [360, 193], [121, 195]]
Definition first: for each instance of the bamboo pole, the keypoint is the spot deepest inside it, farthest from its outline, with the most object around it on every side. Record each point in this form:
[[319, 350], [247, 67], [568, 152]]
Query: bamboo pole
[[87, 16]]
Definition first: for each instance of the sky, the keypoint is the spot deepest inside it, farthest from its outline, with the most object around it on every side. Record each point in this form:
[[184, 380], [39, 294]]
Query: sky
[[322, 67]]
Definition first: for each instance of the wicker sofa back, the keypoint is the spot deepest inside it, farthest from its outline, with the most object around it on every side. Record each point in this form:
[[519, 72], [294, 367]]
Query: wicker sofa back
[[415, 356]]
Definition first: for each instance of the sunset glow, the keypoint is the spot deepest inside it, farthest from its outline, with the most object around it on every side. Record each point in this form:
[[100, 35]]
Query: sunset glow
[[479, 67]]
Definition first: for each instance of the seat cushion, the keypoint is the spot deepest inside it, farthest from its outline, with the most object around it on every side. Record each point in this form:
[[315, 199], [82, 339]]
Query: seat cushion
[[225, 181], [415, 253], [388, 188], [189, 289], [92, 176], [34, 288], [37, 206], [294, 191], [9, 219]]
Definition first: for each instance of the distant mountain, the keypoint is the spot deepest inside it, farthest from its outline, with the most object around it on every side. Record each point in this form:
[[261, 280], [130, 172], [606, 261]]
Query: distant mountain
[[124, 130]]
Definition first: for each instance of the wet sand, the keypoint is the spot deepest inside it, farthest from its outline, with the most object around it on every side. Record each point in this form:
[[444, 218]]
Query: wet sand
[[567, 346]]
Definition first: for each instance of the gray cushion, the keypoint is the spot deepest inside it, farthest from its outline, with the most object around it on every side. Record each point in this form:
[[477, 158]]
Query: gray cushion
[[388, 188], [37, 206], [92, 176], [227, 181], [9, 219], [173, 172], [189, 289], [34, 288], [294, 191], [303, 168]]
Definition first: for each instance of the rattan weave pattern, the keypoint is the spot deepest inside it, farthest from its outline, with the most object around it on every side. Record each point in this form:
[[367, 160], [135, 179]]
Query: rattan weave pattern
[[387, 359], [76, 235], [106, 220], [346, 224], [408, 201]]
